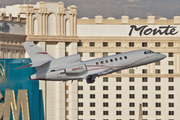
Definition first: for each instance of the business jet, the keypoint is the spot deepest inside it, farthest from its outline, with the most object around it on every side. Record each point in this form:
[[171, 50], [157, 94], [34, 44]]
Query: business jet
[[72, 68]]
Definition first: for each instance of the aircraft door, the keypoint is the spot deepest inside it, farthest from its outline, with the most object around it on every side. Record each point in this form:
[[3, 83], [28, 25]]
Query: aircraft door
[[101, 61]]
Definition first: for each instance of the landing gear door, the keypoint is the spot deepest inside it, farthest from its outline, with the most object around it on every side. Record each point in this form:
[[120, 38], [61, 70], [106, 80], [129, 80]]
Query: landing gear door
[[101, 61]]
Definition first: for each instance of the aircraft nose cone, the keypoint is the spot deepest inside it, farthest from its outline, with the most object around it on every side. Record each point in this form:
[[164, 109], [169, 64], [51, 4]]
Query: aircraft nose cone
[[163, 56]]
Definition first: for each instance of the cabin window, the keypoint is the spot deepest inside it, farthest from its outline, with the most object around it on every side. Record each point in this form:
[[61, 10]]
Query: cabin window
[[52, 70], [111, 60], [102, 62], [120, 58], [106, 61], [116, 59], [125, 57], [97, 63]]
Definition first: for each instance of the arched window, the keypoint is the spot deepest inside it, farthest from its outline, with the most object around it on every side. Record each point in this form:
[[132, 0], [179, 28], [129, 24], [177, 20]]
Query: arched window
[[22, 55], [67, 27], [51, 24], [35, 27], [5, 54], [13, 55]]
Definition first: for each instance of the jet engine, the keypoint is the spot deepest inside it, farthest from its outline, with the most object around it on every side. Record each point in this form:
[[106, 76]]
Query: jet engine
[[76, 69]]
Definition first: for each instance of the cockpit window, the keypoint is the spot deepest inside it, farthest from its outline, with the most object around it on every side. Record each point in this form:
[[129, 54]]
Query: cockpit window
[[52, 70], [148, 52]]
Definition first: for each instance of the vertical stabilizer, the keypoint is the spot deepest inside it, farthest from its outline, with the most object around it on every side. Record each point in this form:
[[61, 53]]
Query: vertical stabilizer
[[35, 53]]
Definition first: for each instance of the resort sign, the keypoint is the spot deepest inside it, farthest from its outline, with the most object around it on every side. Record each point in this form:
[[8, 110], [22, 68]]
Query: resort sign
[[145, 30]]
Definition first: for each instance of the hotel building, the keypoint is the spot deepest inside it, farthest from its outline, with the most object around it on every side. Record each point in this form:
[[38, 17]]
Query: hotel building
[[116, 96]]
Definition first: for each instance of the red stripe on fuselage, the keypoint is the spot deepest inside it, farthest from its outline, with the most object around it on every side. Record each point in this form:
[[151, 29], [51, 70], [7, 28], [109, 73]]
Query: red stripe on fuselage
[[41, 53]]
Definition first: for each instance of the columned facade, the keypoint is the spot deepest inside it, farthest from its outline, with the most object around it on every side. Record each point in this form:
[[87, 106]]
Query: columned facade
[[116, 96]]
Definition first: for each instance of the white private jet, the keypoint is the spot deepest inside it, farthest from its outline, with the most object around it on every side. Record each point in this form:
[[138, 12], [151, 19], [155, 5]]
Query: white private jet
[[72, 68]]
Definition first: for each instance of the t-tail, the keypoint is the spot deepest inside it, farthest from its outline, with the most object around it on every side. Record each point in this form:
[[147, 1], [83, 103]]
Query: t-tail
[[38, 56]]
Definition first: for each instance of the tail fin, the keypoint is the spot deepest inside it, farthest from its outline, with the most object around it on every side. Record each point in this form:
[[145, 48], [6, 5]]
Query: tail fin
[[35, 53]]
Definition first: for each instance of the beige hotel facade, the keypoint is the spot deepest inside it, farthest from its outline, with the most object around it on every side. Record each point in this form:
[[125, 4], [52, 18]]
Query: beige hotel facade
[[112, 97]]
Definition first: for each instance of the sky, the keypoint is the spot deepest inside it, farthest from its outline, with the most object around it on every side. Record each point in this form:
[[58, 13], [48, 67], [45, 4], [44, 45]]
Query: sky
[[115, 8]]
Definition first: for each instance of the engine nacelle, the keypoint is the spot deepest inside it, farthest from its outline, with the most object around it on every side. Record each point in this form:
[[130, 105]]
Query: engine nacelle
[[76, 69]]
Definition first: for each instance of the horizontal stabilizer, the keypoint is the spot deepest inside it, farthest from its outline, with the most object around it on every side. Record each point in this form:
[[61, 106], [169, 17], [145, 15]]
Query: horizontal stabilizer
[[35, 64], [25, 66]]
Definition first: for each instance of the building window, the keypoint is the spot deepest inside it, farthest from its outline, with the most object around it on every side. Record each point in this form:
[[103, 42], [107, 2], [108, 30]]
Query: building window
[[80, 104], [118, 104], [105, 104], [171, 96], [92, 87], [144, 96], [105, 112], [170, 71], [131, 79], [171, 88], [80, 112], [105, 44], [170, 62], [80, 96], [158, 96], [80, 80], [92, 96], [118, 112], [131, 104], [118, 72], [144, 79], [158, 63], [158, 87], [92, 44], [105, 79], [158, 112], [171, 79], [118, 87], [118, 96], [105, 54], [145, 104], [171, 112], [131, 112], [131, 71], [144, 71], [105, 96], [171, 104], [158, 104], [144, 87], [131, 96], [170, 54], [157, 71], [105, 87], [170, 44], [80, 87], [92, 54], [158, 79], [67, 96], [131, 88], [145, 112], [80, 44], [66, 54], [118, 79], [131, 44], [92, 104], [92, 112], [157, 44], [144, 44], [67, 104], [80, 53], [118, 44]]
